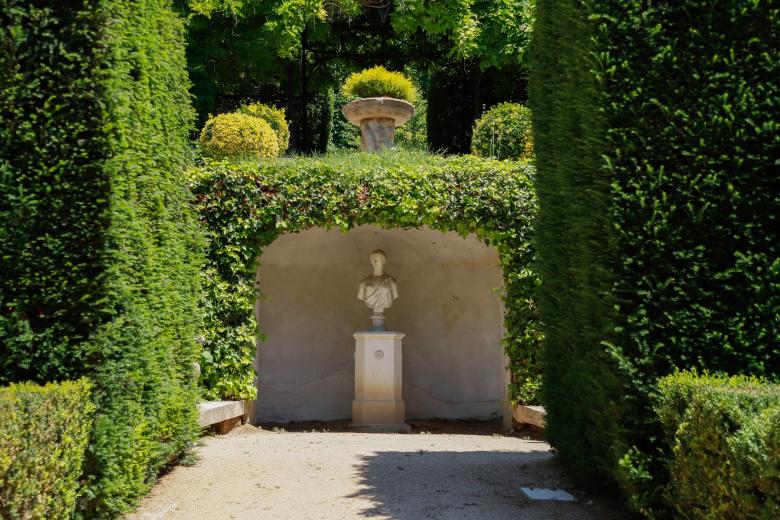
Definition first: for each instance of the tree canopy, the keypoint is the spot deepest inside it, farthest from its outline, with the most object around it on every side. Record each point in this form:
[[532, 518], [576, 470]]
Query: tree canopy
[[292, 52]]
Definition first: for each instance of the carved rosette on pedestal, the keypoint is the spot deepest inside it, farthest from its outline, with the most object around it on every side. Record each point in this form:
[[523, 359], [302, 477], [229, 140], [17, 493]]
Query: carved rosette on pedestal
[[377, 118], [378, 404]]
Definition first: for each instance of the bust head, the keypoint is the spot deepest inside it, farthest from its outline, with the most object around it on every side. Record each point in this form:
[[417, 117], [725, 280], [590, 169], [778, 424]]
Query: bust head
[[377, 258]]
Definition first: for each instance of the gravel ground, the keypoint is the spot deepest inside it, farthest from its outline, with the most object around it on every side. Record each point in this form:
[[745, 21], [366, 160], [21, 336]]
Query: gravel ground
[[255, 473]]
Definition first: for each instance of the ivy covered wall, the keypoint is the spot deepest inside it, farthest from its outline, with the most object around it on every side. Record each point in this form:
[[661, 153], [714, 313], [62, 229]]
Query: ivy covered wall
[[99, 248], [245, 206]]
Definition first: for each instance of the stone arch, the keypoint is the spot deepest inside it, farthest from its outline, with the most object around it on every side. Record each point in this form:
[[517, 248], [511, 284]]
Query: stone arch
[[247, 206], [450, 310]]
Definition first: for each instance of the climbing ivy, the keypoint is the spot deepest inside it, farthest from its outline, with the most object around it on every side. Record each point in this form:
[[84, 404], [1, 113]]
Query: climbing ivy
[[245, 206]]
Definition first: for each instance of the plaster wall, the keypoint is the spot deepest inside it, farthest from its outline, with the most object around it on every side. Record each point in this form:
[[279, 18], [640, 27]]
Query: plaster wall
[[448, 307]]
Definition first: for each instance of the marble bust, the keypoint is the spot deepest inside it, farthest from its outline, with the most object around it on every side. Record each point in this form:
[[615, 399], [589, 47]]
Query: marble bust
[[378, 290]]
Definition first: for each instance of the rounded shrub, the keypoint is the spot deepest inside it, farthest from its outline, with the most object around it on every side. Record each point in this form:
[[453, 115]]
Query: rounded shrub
[[275, 117], [504, 132], [380, 82], [238, 135]]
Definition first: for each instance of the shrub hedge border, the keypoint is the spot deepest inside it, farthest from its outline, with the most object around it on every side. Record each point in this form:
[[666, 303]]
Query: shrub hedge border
[[721, 446], [246, 206]]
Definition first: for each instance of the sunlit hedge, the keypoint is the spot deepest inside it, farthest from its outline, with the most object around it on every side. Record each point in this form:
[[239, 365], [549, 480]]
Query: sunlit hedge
[[504, 132], [276, 119], [43, 440], [238, 135], [721, 445]]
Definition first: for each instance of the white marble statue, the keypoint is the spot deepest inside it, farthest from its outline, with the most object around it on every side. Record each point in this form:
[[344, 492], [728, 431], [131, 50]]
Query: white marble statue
[[378, 290]]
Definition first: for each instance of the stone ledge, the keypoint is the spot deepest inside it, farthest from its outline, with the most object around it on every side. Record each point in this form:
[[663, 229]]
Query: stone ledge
[[533, 415], [215, 412]]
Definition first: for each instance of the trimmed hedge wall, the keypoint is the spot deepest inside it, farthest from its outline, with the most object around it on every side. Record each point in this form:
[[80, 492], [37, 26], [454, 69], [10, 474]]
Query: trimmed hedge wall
[[722, 446], [246, 206], [42, 443], [657, 141], [99, 248]]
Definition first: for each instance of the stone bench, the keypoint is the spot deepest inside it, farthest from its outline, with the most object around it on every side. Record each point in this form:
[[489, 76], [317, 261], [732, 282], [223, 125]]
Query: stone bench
[[533, 415], [222, 416]]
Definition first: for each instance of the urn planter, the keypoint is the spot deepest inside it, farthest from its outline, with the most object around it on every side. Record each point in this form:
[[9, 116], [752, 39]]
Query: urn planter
[[377, 117]]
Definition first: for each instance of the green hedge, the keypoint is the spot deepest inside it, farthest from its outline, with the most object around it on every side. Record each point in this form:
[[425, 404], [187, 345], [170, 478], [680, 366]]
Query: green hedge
[[99, 248], [504, 132], [657, 138], [42, 443], [246, 206], [721, 445]]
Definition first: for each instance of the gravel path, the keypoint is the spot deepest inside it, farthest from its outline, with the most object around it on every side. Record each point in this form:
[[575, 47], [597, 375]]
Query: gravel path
[[260, 474]]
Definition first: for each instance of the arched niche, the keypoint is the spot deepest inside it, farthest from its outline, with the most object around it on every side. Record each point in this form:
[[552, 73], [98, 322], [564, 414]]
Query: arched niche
[[449, 308]]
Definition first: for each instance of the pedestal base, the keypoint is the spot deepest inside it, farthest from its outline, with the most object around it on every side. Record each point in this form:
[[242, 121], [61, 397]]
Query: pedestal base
[[381, 428], [378, 405]]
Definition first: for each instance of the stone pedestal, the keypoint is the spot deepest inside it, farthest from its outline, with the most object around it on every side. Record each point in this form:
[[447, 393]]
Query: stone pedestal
[[377, 134], [377, 118], [378, 404]]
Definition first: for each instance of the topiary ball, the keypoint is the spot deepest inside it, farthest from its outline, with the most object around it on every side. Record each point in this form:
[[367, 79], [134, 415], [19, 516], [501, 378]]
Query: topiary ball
[[504, 132], [380, 82], [275, 117], [238, 136]]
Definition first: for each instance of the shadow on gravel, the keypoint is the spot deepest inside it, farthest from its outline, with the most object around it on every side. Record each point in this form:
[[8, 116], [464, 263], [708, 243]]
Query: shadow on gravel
[[470, 485]]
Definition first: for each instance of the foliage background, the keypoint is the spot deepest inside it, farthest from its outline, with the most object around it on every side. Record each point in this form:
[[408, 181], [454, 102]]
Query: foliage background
[[288, 52], [99, 248], [246, 205], [657, 140]]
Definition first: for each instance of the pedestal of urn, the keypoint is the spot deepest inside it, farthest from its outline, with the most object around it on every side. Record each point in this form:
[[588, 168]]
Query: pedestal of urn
[[377, 118], [378, 404]]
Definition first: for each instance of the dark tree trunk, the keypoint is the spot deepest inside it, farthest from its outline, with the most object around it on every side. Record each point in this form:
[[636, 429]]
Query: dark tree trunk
[[453, 106], [305, 145]]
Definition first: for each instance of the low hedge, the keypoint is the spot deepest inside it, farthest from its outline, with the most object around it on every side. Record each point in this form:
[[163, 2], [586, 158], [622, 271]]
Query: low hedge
[[721, 447], [43, 439], [246, 206]]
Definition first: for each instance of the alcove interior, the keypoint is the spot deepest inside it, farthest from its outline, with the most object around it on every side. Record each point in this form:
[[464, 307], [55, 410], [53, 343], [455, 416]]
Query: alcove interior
[[448, 307]]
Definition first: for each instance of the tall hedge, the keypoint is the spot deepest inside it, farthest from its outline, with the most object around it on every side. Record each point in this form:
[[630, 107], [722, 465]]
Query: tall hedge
[[98, 246], [657, 141]]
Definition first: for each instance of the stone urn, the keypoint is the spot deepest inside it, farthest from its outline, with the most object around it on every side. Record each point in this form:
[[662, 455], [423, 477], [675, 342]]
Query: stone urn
[[377, 117]]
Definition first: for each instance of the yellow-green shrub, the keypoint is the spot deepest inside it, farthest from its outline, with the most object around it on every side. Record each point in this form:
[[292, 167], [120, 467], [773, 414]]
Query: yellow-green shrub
[[380, 82], [720, 451], [504, 132], [238, 135], [275, 117], [42, 443]]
